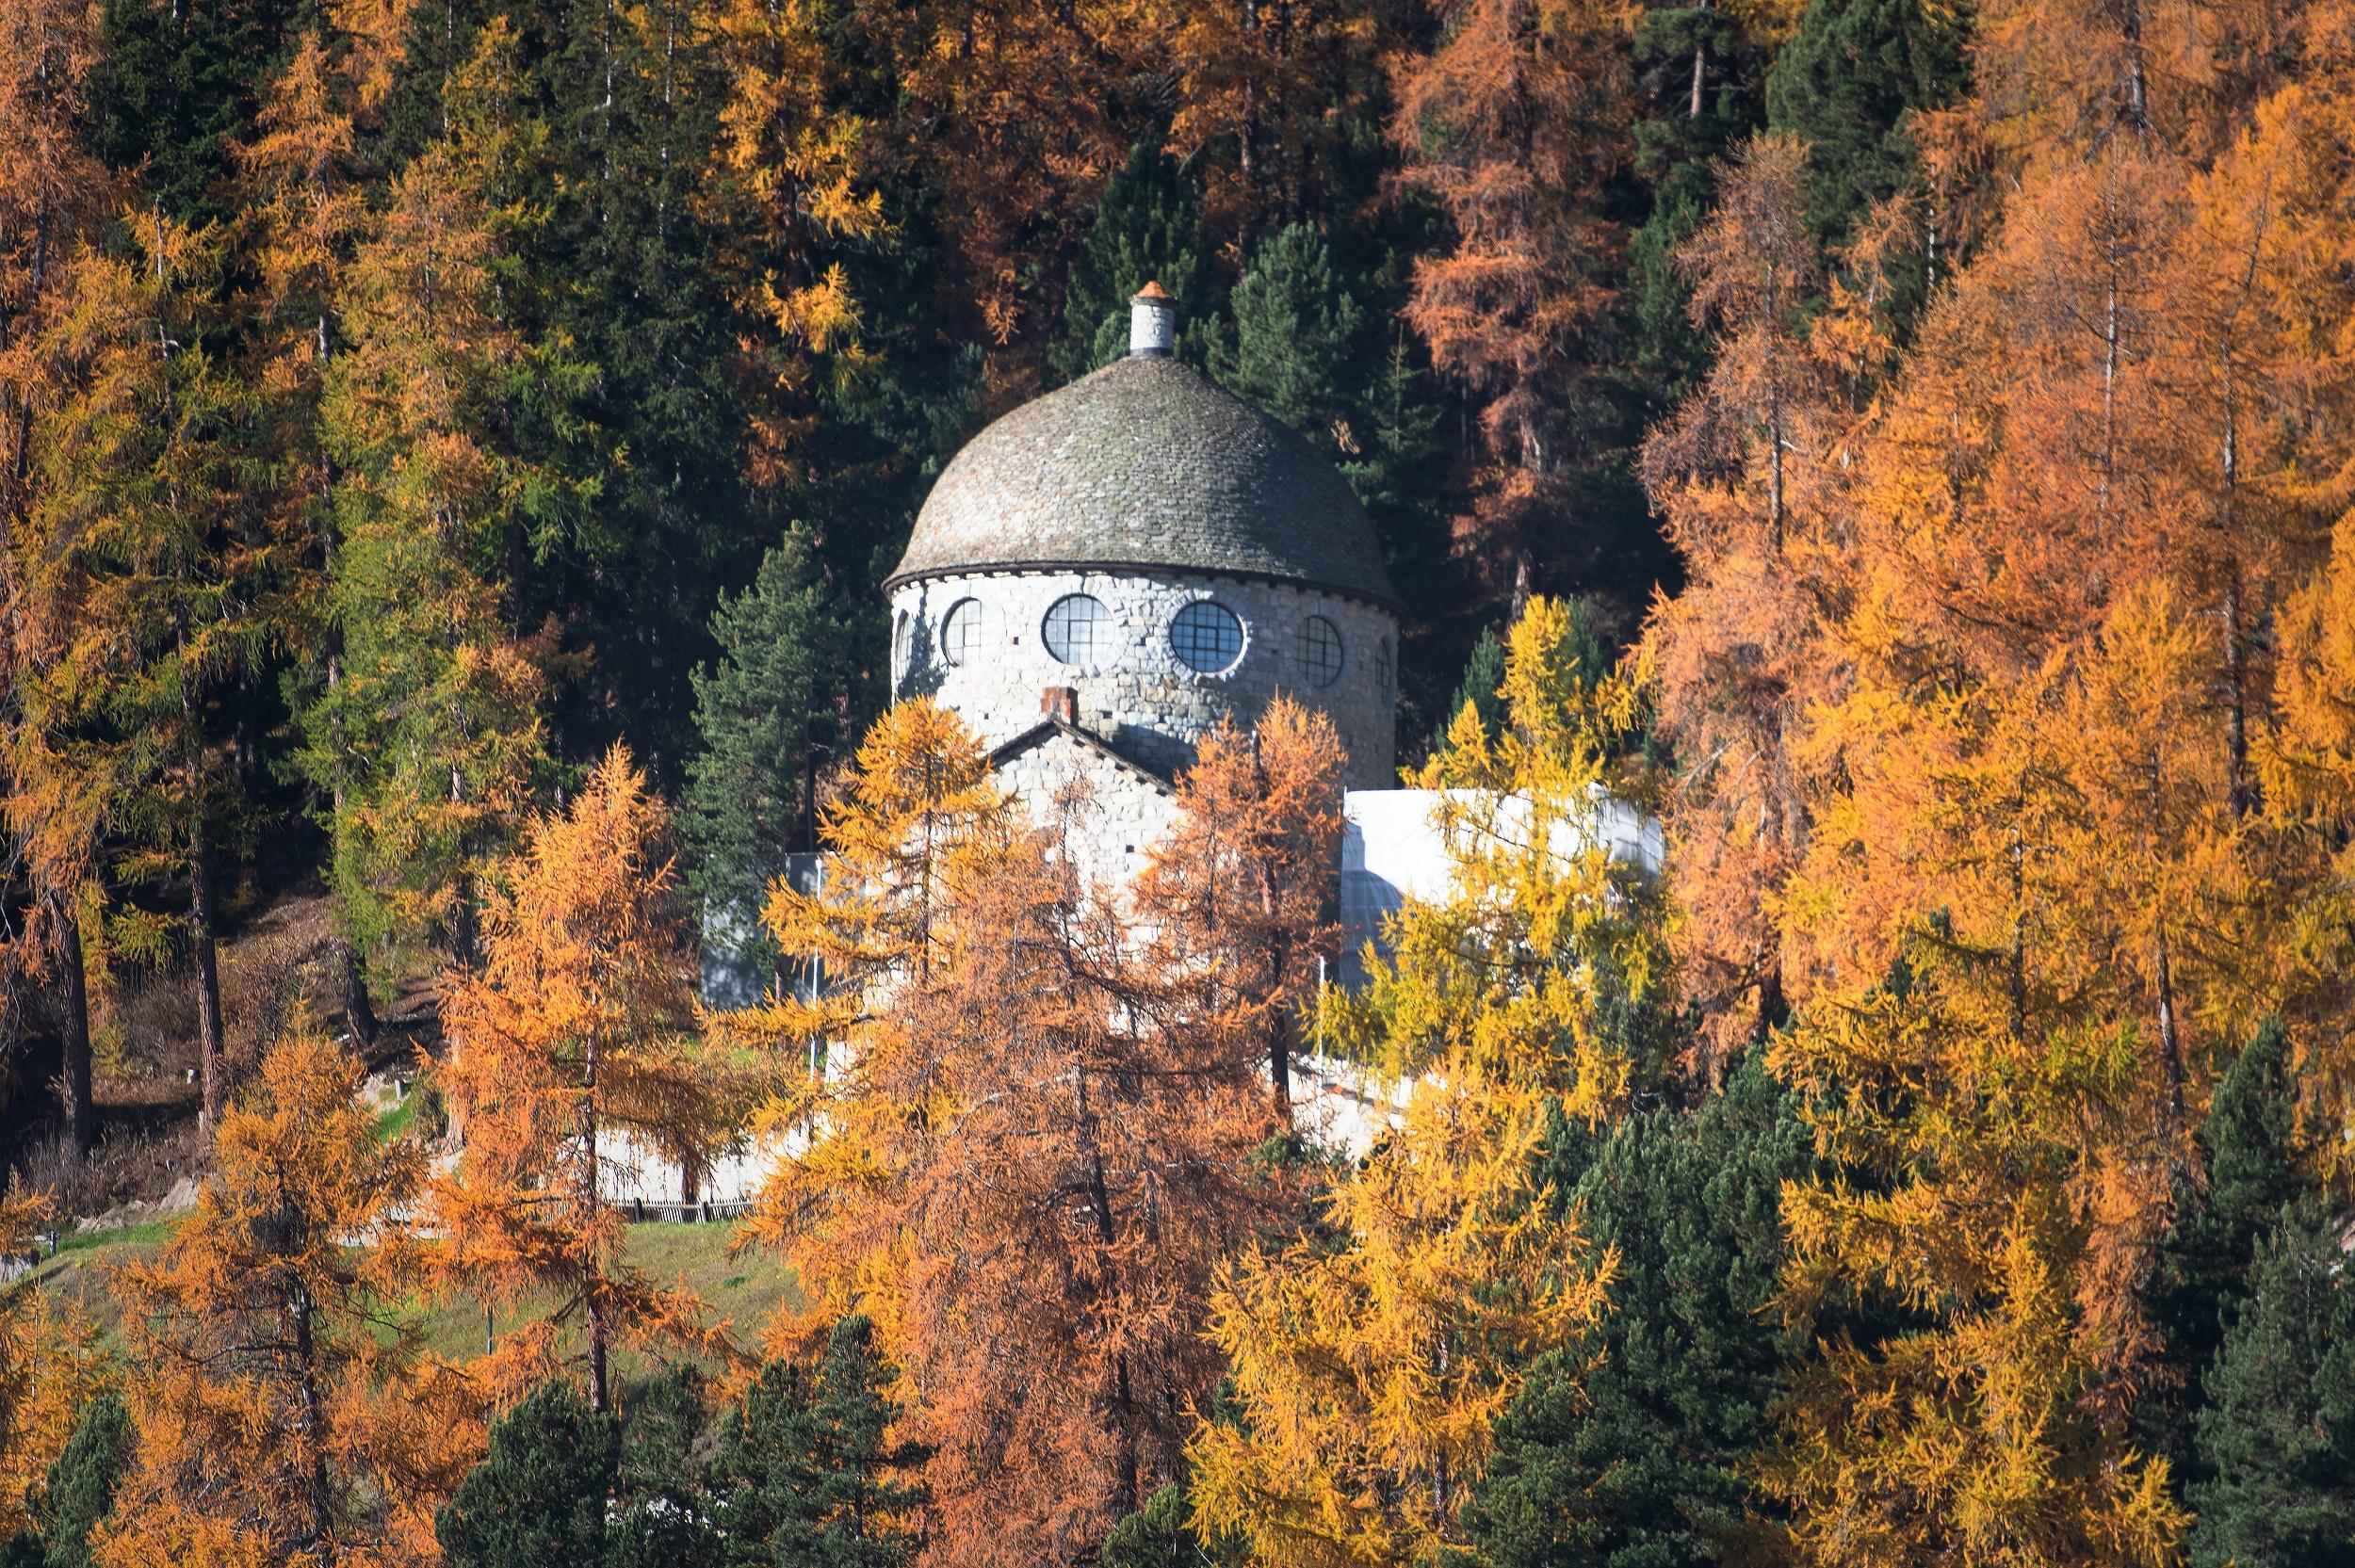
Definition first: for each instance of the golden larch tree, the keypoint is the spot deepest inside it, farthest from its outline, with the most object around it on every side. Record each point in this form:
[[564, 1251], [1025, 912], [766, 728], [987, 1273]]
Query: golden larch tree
[[281, 1412], [1370, 1356], [1024, 1158], [1512, 125], [578, 1031]]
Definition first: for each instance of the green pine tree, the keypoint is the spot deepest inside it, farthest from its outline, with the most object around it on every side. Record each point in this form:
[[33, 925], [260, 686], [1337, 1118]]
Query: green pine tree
[[79, 1493], [175, 86], [1147, 229], [1680, 136], [2249, 1146], [2276, 1440], [809, 1475], [765, 710], [662, 1517], [1631, 1451], [1848, 84], [539, 1499], [1483, 686], [1159, 1535], [1295, 348]]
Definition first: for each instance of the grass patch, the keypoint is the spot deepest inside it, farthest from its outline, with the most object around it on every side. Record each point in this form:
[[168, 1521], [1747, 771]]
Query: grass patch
[[398, 1121], [744, 1291], [154, 1233]]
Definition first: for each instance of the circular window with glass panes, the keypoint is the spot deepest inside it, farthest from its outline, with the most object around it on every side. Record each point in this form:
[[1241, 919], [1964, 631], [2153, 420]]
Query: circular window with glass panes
[[1078, 631], [961, 632], [1205, 637], [1320, 652]]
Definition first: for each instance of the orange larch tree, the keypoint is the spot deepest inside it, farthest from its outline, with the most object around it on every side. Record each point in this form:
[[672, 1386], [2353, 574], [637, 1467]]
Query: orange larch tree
[[1512, 125], [282, 1410], [577, 1033], [2044, 895], [1746, 475], [53, 194], [1024, 1160], [1238, 897]]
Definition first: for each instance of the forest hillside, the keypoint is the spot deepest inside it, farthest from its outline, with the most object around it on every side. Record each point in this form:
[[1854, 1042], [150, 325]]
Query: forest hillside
[[449, 456]]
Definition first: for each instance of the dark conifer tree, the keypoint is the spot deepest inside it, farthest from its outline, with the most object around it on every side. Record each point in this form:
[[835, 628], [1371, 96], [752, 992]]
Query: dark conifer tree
[[773, 699], [1631, 1450], [1701, 73], [1849, 85], [809, 1475], [1483, 686], [2277, 1441], [2249, 1146], [539, 1498], [79, 1493], [1148, 227], [175, 86]]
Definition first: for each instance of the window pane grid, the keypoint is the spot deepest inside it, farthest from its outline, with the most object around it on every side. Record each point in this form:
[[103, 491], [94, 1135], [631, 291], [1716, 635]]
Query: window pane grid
[[961, 631], [1320, 652], [1205, 637], [1073, 623]]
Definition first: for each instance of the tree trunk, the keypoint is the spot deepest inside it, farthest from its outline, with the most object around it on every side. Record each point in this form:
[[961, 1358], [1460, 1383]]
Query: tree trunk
[[208, 1028], [313, 1420], [593, 1300], [80, 1116], [359, 1012]]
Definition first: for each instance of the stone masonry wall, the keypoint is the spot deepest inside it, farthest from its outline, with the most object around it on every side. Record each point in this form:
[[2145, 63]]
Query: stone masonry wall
[[1139, 695]]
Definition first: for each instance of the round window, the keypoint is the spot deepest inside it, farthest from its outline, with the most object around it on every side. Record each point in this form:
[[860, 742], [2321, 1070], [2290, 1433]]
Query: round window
[[1207, 636], [1077, 629], [961, 632], [1320, 652]]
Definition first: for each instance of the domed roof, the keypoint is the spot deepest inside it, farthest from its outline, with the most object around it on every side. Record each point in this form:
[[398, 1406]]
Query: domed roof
[[1145, 463]]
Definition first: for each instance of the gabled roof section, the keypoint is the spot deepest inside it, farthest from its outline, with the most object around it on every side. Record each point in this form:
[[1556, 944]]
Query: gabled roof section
[[1049, 728]]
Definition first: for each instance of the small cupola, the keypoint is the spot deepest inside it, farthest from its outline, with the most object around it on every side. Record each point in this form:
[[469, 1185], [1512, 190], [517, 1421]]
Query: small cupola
[[1152, 323]]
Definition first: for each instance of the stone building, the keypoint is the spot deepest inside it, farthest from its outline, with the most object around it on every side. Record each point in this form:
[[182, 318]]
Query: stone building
[[1102, 574]]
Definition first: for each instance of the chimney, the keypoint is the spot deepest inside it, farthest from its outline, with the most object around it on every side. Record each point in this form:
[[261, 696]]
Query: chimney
[[1152, 323], [1060, 703]]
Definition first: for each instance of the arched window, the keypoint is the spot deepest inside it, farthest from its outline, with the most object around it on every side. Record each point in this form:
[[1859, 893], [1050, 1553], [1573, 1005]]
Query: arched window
[[902, 638], [1205, 637], [1320, 652], [1077, 629], [1382, 665], [962, 631]]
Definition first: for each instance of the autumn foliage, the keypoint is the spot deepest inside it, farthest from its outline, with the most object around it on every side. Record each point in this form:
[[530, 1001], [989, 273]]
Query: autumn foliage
[[1016, 1068], [575, 1034], [282, 1412]]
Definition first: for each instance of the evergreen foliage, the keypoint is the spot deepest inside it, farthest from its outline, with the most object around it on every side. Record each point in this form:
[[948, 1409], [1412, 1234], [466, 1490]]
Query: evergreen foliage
[[662, 1516], [2254, 1174], [810, 1474], [2276, 1440], [1631, 1448], [1147, 229], [1483, 686], [81, 1488], [175, 84], [1678, 140], [539, 1499], [765, 710], [1847, 84], [1296, 345]]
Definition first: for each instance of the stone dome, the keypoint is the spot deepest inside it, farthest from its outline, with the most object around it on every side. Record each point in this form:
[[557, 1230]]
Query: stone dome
[[1145, 464]]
